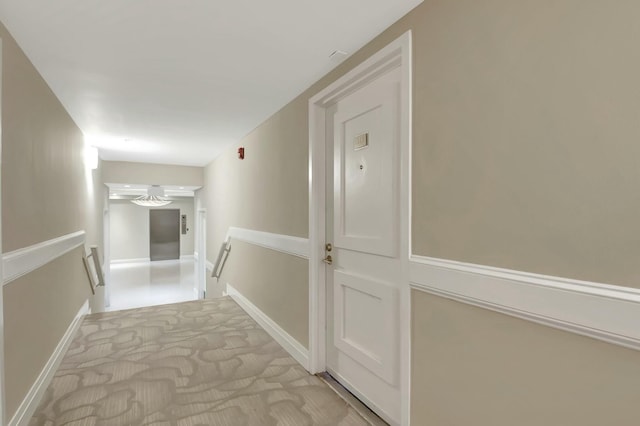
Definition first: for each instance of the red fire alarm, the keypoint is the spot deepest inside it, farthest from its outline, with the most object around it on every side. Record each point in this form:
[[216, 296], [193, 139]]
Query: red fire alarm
[[241, 153]]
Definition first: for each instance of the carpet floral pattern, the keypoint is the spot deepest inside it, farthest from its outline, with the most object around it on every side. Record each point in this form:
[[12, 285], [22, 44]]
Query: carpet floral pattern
[[193, 363]]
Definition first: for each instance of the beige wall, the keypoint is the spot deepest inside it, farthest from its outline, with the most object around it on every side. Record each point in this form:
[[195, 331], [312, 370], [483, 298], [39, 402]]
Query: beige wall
[[524, 156], [151, 174], [38, 309], [476, 367], [267, 191], [525, 131], [129, 228], [275, 282], [46, 193]]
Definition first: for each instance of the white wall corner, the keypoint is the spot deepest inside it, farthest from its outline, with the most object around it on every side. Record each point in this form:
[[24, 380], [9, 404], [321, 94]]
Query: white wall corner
[[31, 401], [291, 345]]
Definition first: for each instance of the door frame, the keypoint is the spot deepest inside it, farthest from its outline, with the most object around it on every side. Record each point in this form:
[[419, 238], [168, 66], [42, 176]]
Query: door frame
[[106, 250], [2, 389], [396, 54], [201, 247]]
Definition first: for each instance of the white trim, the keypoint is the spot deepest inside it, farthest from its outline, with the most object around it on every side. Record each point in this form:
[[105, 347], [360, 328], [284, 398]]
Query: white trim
[[22, 261], [32, 399], [604, 312], [200, 254], [106, 246], [295, 246], [358, 394], [2, 388], [396, 54], [291, 345], [187, 257], [209, 266], [137, 260]]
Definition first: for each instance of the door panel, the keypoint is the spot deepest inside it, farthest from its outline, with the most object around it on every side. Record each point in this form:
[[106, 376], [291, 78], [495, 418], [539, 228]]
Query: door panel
[[164, 234], [366, 184], [365, 322], [363, 330]]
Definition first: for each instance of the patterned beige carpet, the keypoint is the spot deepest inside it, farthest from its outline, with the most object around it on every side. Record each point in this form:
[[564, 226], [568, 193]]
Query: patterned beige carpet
[[193, 363]]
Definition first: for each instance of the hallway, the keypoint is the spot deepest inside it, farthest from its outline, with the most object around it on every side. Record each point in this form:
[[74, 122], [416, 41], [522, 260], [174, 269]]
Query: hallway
[[135, 285], [435, 202], [201, 362]]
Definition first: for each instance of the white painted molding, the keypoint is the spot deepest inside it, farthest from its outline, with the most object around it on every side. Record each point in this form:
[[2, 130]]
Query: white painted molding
[[187, 257], [22, 261], [209, 266], [601, 311], [32, 399], [295, 246], [136, 260], [291, 345]]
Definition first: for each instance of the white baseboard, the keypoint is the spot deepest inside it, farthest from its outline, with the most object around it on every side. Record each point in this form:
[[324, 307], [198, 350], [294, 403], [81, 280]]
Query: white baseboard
[[136, 260], [291, 345], [34, 396], [601, 311]]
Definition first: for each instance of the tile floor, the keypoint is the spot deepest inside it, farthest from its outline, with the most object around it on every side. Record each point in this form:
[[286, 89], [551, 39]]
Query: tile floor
[[134, 285]]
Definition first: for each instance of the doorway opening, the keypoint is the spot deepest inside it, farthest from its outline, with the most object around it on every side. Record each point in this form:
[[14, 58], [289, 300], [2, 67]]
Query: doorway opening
[[151, 248]]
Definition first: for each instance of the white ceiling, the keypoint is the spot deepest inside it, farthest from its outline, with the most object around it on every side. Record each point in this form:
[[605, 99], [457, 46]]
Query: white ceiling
[[174, 81]]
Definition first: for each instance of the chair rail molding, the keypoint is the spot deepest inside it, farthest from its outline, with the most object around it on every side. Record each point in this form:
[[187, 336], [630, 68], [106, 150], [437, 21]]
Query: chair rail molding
[[295, 246], [22, 261], [601, 311]]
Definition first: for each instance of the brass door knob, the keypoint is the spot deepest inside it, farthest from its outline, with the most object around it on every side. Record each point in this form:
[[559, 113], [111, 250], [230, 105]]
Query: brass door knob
[[328, 247], [328, 260]]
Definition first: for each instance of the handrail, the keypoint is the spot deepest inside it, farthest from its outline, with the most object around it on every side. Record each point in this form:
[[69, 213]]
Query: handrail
[[223, 254], [24, 260], [294, 246], [97, 268]]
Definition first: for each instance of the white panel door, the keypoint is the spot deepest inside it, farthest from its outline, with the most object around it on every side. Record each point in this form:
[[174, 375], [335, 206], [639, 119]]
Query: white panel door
[[363, 281]]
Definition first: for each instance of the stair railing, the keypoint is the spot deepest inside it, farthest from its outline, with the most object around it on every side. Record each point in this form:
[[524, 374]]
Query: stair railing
[[95, 274], [223, 254]]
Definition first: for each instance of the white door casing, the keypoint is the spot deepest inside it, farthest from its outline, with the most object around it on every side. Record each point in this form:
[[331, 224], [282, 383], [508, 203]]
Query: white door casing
[[201, 263], [106, 232], [2, 393], [366, 343]]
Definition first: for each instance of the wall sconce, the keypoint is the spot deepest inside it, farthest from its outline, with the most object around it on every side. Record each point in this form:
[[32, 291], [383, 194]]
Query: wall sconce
[[91, 157], [241, 153]]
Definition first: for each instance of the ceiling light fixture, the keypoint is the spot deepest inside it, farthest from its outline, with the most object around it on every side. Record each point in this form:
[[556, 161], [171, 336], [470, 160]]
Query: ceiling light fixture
[[154, 198]]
